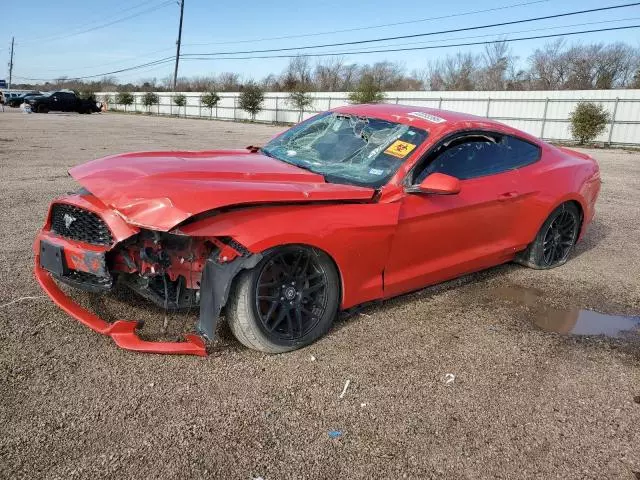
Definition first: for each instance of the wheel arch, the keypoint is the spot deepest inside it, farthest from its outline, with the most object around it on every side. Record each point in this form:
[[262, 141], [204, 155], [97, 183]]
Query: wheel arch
[[574, 199], [271, 246]]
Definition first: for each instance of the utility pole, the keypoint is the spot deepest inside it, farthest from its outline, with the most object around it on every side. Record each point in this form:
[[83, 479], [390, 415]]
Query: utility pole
[[11, 63], [175, 72]]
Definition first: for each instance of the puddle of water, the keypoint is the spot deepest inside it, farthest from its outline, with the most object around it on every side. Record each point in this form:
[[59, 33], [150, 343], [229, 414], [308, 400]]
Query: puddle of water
[[569, 321]]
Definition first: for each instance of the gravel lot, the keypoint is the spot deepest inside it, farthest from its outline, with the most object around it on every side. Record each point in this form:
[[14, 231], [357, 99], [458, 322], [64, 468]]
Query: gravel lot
[[524, 403]]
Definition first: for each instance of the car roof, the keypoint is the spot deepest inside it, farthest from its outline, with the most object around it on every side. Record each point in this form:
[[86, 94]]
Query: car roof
[[434, 120], [390, 110]]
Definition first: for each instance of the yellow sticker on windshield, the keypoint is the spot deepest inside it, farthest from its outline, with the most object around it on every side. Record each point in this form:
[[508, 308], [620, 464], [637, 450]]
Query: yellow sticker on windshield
[[400, 149]]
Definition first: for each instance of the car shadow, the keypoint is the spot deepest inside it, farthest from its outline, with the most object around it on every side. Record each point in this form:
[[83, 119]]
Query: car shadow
[[381, 306], [596, 232]]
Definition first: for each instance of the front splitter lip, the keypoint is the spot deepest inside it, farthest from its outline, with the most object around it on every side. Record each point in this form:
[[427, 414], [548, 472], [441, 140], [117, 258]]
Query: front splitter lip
[[123, 332]]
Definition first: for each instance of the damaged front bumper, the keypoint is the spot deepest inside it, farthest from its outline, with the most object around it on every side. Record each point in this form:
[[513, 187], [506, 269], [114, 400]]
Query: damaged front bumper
[[123, 332], [143, 261]]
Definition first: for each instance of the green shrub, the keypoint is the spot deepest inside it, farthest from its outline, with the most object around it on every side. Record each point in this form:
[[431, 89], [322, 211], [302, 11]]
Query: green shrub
[[124, 98], [181, 101], [588, 120], [149, 99], [210, 100], [367, 91], [251, 99], [300, 99]]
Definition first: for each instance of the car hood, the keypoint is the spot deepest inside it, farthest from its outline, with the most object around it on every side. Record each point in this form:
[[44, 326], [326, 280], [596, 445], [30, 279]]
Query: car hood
[[159, 190]]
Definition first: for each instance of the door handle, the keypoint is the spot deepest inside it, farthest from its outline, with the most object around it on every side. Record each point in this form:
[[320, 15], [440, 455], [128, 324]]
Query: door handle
[[507, 196]]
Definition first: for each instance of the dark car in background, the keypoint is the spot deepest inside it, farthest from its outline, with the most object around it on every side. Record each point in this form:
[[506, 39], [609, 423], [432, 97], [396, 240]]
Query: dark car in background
[[61, 101], [15, 102]]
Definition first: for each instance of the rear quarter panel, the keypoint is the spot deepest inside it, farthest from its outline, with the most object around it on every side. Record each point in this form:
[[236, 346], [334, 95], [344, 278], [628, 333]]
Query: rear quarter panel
[[560, 176]]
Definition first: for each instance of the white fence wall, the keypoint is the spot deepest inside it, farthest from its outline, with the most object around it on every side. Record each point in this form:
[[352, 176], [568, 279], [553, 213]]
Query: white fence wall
[[544, 114]]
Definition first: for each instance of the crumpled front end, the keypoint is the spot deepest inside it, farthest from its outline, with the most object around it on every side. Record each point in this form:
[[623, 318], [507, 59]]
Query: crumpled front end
[[88, 246]]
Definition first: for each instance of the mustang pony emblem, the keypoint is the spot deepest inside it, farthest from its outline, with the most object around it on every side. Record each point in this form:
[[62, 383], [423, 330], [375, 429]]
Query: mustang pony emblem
[[68, 220]]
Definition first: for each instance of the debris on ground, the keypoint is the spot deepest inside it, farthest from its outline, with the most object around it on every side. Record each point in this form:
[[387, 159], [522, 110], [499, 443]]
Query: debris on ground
[[344, 390], [449, 378], [335, 433], [313, 359], [636, 399]]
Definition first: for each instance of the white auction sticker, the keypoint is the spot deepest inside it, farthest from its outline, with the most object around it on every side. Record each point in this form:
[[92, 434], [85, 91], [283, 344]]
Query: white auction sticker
[[428, 117]]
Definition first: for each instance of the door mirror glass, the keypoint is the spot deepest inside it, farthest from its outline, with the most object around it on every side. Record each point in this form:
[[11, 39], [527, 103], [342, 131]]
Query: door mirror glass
[[437, 184]]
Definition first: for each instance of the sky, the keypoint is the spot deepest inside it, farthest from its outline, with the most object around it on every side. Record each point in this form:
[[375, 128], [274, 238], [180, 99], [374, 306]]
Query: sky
[[51, 38]]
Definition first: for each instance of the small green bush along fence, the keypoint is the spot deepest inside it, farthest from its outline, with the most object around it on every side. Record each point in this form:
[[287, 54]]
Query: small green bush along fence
[[544, 114]]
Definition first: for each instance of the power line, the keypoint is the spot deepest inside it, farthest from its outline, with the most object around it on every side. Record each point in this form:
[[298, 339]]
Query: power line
[[162, 61], [52, 38], [370, 27], [502, 36], [331, 54], [135, 67], [170, 59], [400, 37], [115, 62], [474, 12]]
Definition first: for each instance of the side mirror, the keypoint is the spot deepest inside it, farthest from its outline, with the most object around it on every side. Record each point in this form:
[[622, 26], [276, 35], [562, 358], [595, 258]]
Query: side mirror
[[437, 184]]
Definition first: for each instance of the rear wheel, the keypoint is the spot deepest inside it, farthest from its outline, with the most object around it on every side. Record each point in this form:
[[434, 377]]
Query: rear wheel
[[42, 109], [286, 302], [555, 240]]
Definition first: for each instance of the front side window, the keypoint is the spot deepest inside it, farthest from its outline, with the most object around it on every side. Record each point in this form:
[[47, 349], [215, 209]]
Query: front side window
[[481, 155], [347, 148]]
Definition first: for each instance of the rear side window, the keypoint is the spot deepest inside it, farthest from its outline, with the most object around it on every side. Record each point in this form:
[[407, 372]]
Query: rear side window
[[479, 156]]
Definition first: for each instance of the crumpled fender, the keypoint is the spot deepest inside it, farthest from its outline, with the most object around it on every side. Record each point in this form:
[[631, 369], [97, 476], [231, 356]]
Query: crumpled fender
[[357, 236]]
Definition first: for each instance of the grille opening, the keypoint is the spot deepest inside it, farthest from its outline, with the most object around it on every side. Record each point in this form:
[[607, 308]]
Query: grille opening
[[79, 224]]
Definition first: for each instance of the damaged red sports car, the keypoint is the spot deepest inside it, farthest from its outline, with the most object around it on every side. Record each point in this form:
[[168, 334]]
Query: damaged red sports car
[[360, 203]]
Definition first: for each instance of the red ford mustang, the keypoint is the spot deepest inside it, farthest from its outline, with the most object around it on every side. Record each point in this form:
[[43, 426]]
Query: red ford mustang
[[360, 203]]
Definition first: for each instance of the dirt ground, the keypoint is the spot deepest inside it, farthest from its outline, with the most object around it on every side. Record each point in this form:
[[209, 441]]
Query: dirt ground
[[524, 403]]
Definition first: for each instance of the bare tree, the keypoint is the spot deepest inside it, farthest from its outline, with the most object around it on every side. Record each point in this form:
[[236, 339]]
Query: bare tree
[[297, 74], [271, 83], [385, 75], [549, 66], [329, 74], [455, 72], [228, 82], [497, 65], [617, 65]]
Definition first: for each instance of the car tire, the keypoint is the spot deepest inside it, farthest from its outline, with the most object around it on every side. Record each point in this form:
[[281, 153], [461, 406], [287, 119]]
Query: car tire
[[555, 239], [42, 109], [288, 301]]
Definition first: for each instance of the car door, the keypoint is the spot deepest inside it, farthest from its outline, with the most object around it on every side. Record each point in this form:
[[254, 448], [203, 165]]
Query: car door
[[443, 236], [55, 101], [67, 102]]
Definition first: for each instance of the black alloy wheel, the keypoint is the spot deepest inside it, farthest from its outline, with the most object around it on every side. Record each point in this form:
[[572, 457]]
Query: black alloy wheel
[[291, 293], [559, 238], [288, 301], [555, 239]]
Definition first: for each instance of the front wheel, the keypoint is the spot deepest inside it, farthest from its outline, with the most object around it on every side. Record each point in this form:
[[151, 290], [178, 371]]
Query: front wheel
[[286, 302], [555, 240]]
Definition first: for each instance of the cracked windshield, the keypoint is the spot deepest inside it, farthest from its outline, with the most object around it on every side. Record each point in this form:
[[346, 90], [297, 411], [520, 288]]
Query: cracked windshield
[[347, 148]]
